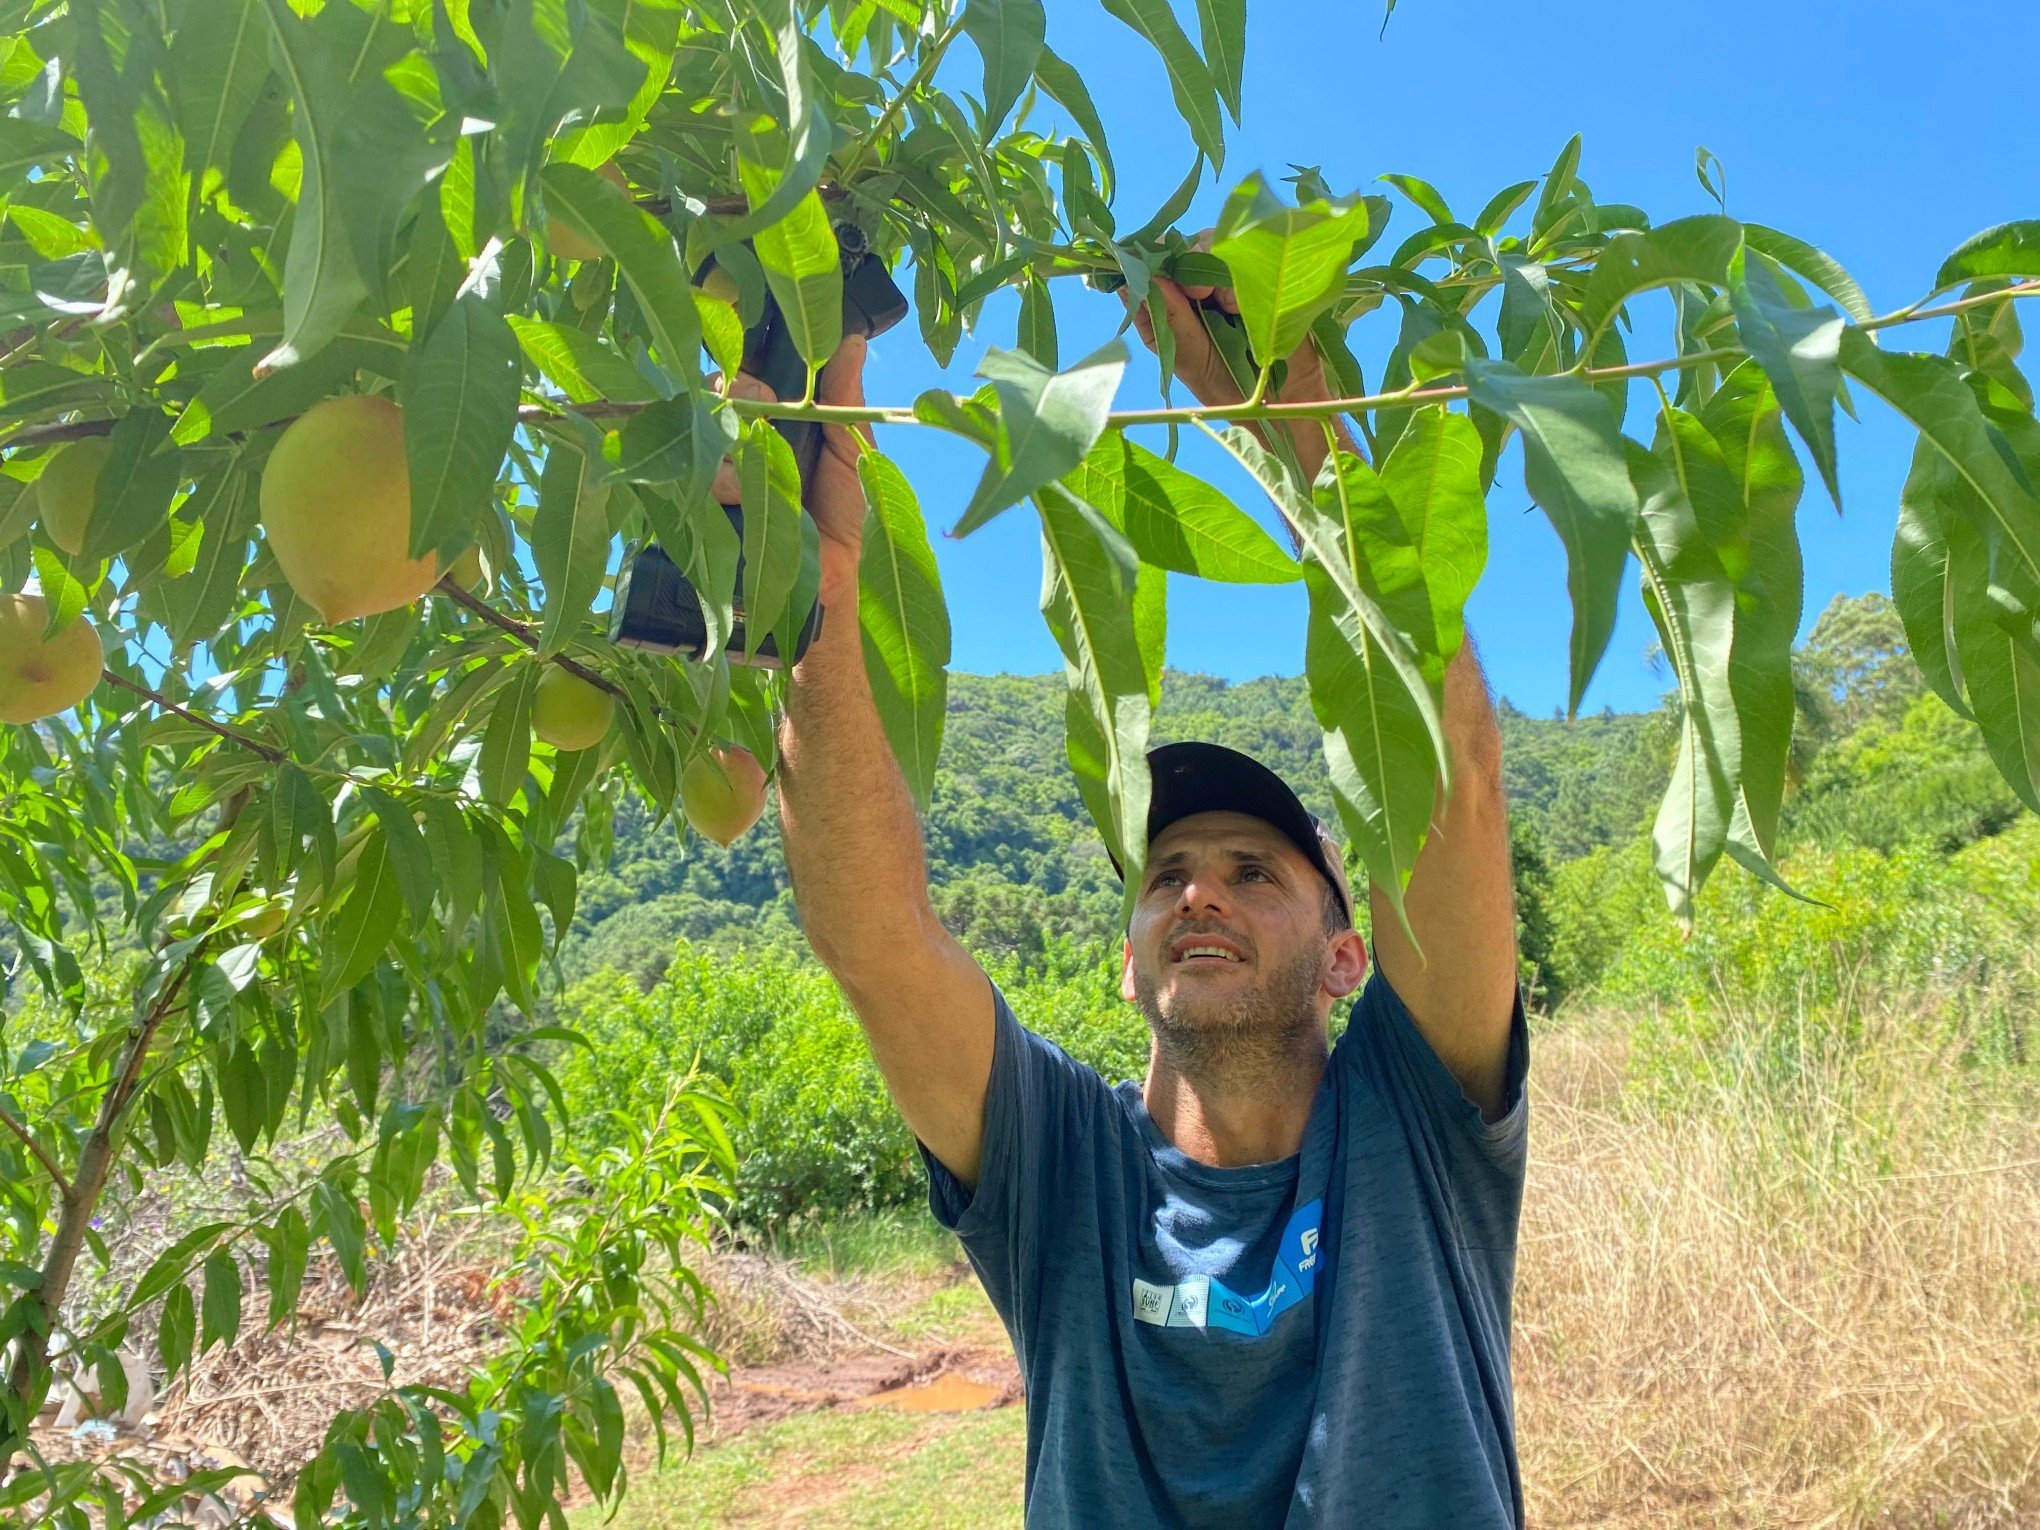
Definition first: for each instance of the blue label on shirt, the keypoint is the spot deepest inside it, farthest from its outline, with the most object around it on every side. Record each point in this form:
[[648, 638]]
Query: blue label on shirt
[[1202, 1302]]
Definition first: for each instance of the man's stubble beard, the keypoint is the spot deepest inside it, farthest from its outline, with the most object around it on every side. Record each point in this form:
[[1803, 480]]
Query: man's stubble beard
[[1241, 1036]]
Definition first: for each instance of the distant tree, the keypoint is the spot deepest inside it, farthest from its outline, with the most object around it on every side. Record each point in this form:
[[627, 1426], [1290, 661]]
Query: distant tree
[[1857, 663]]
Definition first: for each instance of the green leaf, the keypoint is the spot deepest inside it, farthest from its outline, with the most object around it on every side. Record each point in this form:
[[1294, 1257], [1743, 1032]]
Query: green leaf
[[1196, 95], [809, 135], [569, 541], [1575, 469], [580, 365], [1432, 476], [1816, 265], [506, 742], [904, 623], [1288, 263], [1558, 188], [644, 253], [1175, 521], [1691, 599], [1222, 27], [1064, 86], [223, 502], [1375, 692], [651, 32], [176, 1327], [336, 1216], [1798, 348], [141, 474], [220, 1312], [1920, 586], [802, 260], [1762, 555], [678, 440], [410, 857], [1424, 196], [1688, 250], [1088, 598], [1156, 227], [775, 529], [1009, 35], [289, 1242], [1930, 393], [515, 921], [364, 157], [722, 332], [1048, 422], [360, 934], [216, 67], [2000, 670], [555, 65], [234, 398], [2010, 249], [460, 411], [1502, 206], [1037, 336]]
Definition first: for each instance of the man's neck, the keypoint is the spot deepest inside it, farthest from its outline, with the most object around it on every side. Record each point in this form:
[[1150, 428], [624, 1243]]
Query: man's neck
[[1238, 1115]]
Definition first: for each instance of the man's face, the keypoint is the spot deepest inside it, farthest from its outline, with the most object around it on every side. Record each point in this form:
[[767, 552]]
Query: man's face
[[1228, 938]]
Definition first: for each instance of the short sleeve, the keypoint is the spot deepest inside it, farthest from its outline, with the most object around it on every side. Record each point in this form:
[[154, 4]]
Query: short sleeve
[[1043, 1113], [1480, 1163]]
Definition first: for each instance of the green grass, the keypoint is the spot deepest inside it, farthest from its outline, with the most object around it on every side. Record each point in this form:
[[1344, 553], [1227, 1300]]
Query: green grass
[[960, 1471], [899, 1240]]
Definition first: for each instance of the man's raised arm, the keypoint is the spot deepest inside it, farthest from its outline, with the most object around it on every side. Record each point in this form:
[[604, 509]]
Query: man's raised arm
[[1461, 895], [853, 846]]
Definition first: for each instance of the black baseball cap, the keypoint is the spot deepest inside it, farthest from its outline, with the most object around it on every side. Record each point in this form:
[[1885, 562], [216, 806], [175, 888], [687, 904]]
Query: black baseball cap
[[1190, 778]]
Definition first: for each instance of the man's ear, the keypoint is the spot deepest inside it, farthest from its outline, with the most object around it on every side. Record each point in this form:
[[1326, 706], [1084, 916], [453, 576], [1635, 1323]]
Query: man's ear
[[1348, 966], [1126, 988]]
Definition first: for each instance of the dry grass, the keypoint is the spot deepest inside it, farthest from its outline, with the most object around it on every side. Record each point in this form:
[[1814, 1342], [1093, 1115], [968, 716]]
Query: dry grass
[[1813, 1302]]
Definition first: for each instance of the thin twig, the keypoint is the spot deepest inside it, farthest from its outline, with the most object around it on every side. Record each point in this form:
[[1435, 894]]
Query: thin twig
[[522, 632], [896, 414], [923, 72], [268, 752], [49, 1165]]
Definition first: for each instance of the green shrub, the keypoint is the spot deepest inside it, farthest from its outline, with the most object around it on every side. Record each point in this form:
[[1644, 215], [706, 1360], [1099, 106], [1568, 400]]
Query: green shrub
[[1952, 932], [820, 1134]]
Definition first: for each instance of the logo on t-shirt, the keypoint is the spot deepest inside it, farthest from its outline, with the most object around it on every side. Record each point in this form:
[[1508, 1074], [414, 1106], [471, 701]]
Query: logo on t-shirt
[[1202, 1301]]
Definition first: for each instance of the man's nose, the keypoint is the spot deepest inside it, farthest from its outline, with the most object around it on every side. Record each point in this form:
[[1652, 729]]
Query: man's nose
[[1202, 891]]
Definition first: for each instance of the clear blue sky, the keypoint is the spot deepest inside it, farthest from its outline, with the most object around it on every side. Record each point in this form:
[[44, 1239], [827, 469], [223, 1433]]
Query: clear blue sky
[[1870, 127]]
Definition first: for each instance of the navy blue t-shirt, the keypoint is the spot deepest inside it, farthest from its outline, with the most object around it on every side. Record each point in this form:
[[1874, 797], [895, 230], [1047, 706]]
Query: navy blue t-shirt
[[1318, 1341]]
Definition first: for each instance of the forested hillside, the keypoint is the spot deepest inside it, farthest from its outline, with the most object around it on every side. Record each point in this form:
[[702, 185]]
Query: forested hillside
[[1013, 858], [1014, 862]]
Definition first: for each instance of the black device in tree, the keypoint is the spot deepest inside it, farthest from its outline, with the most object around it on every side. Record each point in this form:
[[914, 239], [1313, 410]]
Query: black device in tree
[[656, 608]]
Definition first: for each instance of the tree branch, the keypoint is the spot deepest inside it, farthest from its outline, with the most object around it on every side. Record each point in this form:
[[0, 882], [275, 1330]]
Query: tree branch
[[268, 752], [95, 1161], [49, 1164], [522, 632], [881, 414]]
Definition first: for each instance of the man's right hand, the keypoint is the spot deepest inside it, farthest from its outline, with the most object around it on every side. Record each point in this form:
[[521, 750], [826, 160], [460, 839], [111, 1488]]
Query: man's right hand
[[834, 495], [1203, 370]]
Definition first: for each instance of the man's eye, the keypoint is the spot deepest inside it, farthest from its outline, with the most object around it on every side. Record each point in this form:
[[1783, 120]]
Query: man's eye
[[1255, 871]]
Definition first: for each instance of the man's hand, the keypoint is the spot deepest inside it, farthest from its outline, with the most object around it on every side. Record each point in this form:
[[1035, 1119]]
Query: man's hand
[[834, 494], [1204, 372]]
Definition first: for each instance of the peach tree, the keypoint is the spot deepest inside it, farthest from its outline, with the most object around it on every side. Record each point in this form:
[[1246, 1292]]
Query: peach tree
[[350, 342]]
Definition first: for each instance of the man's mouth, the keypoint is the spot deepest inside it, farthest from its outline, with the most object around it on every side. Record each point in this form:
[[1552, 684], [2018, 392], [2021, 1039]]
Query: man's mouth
[[1205, 950]]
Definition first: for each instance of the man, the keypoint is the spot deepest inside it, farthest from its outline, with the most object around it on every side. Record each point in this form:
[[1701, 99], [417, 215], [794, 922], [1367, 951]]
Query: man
[[1271, 1284]]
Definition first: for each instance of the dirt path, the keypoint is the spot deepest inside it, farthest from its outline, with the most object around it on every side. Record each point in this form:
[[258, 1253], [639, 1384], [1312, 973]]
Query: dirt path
[[947, 1379]]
